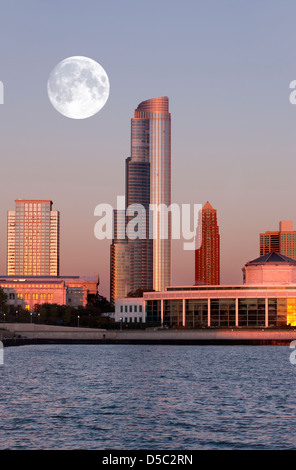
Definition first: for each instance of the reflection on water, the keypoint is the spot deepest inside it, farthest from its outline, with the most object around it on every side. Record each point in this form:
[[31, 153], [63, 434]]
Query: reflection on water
[[147, 397]]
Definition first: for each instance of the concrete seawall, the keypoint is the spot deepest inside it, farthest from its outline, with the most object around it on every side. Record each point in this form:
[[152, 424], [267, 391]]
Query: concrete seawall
[[26, 333]]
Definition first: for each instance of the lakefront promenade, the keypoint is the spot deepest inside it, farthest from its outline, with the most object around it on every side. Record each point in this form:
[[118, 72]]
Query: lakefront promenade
[[13, 334]]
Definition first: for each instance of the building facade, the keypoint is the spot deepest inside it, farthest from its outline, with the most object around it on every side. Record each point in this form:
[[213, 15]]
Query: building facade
[[26, 292], [155, 115], [282, 241], [119, 258], [33, 239], [207, 256], [148, 184], [267, 299], [130, 310]]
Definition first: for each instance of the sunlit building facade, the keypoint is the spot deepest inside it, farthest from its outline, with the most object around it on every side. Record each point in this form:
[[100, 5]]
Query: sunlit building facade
[[266, 299], [282, 241], [148, 183], [153, 115], [207, 256], [33, 244], [23, 293]]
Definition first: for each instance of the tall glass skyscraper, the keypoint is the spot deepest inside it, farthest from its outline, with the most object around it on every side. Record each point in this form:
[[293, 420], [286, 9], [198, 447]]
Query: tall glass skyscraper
[[33, 239], [148, 182]]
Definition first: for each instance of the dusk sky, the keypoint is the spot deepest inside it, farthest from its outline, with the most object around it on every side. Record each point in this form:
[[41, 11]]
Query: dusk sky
[[226, 67]]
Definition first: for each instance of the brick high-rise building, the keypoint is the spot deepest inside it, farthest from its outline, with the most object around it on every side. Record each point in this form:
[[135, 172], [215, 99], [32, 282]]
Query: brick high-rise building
[[207, 256], [33, 239], [282, 241]]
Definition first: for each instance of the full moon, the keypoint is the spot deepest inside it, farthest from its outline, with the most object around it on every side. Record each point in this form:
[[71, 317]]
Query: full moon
[[78, 87]]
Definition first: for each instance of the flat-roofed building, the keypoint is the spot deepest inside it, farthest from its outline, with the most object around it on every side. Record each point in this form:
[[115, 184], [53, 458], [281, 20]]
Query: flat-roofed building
[[26, 292], [33, 239], [267, 298], [282, 241]]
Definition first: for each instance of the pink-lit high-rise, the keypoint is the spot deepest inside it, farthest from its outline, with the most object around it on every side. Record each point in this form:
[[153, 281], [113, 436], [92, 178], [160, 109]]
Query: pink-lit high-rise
[[207, 257], [148, 182]]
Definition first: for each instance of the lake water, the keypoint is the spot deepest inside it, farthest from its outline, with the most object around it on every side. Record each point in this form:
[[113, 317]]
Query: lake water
[[147, 397]]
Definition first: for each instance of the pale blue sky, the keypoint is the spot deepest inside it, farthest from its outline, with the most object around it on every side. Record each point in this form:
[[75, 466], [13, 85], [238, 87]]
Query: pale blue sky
[[226, 68]]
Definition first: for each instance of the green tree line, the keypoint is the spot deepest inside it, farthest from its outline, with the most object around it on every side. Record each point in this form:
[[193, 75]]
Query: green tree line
[[90, 316]]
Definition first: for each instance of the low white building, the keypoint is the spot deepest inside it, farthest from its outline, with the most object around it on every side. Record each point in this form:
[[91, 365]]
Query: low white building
[[130, 310]]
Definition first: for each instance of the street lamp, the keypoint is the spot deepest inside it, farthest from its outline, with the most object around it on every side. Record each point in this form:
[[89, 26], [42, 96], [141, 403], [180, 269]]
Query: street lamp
[[121, 323], [78, 321]]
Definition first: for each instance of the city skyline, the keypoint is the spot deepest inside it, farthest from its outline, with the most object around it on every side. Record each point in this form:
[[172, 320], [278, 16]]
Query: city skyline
[[228, 85]]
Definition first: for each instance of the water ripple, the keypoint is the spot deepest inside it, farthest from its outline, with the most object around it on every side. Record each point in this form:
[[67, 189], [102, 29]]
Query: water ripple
[[132, 397]]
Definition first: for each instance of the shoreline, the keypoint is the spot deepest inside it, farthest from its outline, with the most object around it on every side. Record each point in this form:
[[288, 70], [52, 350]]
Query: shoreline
[[9, 342], [20, 334]]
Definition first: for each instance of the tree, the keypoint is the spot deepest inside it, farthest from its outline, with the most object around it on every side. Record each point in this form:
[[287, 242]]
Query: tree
[[139, 292], [3, 300], [99, 302]]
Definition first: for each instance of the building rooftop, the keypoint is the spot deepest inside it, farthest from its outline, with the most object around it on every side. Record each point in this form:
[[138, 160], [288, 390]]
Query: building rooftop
[[272, 258]]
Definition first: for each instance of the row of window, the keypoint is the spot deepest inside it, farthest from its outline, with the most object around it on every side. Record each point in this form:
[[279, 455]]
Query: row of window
[[131, 319], [131, 308], [251, 312], [13, 296], [44, 286]]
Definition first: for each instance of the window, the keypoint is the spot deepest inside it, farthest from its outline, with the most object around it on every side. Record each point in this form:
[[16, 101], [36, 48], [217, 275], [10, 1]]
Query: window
[[251, 312], [173, 312], [222, 312], [196, 313]]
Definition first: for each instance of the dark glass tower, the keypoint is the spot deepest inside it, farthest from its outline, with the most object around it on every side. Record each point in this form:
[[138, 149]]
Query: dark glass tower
[[140, 248], [119, 258]]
